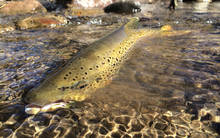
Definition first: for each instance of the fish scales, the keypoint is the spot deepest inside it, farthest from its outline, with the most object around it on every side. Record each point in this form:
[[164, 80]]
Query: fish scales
[[91, 69]]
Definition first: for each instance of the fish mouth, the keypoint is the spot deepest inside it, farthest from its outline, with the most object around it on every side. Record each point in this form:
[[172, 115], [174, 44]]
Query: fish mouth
[[33, 106], [27, 97]]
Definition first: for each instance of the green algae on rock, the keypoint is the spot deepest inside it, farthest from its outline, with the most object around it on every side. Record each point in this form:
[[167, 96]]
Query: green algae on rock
[[91, 69]]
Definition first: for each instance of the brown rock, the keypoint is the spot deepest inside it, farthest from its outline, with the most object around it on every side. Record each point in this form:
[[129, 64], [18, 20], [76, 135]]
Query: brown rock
[[50, 21], [6, 28], [21, 7], [84, 12]]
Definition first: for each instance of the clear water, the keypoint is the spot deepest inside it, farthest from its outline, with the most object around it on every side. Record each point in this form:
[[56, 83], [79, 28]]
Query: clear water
[[168, 87]]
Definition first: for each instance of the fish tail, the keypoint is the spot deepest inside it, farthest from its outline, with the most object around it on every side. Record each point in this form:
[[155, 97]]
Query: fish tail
[[132, 24]]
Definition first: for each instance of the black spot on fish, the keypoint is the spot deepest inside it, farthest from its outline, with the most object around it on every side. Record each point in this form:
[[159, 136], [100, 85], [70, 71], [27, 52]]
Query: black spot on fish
[[74, 79], [81, 67], [90, 68], [97, 66], [76, 76], [103, 63], [116, 59], [67, 75], [70, 72], [62, 88], [86, 73], [64, 78], [83, 78], [108, 60], [98, 79], [83, 86]]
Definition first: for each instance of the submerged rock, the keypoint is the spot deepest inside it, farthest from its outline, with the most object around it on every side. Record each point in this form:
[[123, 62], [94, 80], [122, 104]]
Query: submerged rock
[[122, 8], [41, 21], [84, 12], [6, 28], [21, 7]]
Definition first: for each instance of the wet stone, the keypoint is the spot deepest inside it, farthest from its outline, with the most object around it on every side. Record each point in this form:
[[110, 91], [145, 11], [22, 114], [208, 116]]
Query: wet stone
[[216, 126], [83, 12], [145, 136], [75, 117], [94, 120], [115, 135], [91, 135], [122, 120], [126, 136], [72, 132], [21, 7], [103, 131], [42, 119], [181, 132], [60, 131], [160, 126], [26, 132], [82, 129], [137, 136], [64, 113], [107, 125], [160, 134], [136, 126], [49, 131], [122, 128], [5, 132], [3, 29], [198, 135], [12, 120], [49, 21], [170, 130], [196, 124]]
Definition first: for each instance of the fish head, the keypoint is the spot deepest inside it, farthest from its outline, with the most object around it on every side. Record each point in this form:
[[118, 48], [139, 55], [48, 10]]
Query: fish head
[[42, 95], [48, 93]]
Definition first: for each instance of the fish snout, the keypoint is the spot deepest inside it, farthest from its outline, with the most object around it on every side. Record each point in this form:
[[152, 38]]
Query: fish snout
[[29, 97]]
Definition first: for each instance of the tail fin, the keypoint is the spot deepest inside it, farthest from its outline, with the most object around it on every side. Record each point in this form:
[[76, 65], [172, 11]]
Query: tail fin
[[133, 23]]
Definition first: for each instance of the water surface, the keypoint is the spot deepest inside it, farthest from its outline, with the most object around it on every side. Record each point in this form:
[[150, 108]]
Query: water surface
[[169, 86]]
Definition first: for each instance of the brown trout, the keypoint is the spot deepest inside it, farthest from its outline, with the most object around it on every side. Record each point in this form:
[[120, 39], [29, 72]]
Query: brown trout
[[91, 69]]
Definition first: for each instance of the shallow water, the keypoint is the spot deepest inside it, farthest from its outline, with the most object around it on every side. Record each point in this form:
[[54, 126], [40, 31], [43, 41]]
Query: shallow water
[[168, 87]]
